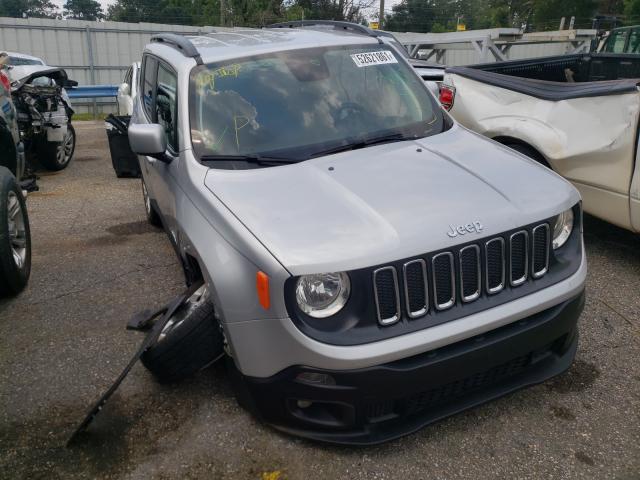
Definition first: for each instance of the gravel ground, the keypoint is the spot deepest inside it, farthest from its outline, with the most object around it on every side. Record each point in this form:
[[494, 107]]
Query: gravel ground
[[96, 262]]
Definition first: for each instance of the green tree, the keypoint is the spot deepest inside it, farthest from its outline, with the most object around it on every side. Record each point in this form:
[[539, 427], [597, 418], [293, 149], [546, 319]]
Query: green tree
[[348, 10], [83, 10], [28, 8]]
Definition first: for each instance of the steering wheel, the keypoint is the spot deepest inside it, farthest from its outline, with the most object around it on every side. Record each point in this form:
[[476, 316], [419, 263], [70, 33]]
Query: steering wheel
[[349, 111]]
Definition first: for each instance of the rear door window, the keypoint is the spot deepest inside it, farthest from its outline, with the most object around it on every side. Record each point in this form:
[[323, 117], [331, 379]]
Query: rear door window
[[148, 83]]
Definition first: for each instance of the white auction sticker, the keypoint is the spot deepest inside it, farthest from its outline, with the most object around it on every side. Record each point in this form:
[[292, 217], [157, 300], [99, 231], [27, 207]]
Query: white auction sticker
[[373, 58]]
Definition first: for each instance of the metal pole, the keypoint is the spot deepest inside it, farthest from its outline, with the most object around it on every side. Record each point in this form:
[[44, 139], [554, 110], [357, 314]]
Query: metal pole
[[381, 19], [222, 13], [92, 71]]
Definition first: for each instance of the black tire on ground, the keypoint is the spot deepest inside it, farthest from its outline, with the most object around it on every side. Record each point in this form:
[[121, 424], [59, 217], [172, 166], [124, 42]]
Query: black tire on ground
[[15, 236], [57, 155], [191, 341], [8, 157], [529, 152], [152, 216]]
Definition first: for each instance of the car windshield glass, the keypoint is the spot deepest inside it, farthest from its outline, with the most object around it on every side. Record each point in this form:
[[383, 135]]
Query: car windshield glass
[[19, 61], [301, 103]]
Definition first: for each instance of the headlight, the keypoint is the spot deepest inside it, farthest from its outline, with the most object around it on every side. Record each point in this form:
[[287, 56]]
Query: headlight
[[324, 294], [562, 228]]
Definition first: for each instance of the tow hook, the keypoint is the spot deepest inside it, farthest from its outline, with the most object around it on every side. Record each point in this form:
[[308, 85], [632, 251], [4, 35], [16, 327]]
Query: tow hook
[[146, 320]]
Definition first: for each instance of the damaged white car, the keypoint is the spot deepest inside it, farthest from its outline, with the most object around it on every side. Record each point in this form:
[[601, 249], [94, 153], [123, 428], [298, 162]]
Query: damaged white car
[[576, 114], [44, 111]]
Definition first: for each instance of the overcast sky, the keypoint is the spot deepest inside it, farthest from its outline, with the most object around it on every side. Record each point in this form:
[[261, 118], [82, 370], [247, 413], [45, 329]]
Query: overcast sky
[[387, 5]]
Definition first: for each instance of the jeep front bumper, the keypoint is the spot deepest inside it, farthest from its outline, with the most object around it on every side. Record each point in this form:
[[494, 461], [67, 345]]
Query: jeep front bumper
[[379, 403]]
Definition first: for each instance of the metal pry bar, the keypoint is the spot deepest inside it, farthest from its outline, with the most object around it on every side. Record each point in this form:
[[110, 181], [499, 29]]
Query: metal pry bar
[[149, 340]]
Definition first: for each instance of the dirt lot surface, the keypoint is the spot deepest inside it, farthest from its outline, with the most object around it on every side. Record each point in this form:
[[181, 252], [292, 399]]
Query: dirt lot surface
[[96, 262]]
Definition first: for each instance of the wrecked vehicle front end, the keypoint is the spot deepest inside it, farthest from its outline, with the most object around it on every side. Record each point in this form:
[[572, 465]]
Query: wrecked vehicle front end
[[44, 116]]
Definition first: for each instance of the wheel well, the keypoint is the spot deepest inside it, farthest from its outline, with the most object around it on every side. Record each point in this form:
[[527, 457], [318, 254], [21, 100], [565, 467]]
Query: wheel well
[[531, 151], [192, 270]]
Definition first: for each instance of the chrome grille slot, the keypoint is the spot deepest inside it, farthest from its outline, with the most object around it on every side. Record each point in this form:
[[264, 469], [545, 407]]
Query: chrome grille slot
[[444, 283], [415, 288], [518, 254], [494, 265], [387, 298], [470, 273], [540, 251]]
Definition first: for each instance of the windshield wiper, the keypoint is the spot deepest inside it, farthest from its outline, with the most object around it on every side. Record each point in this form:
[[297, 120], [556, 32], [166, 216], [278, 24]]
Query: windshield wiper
[[251, 158], [363, 143]]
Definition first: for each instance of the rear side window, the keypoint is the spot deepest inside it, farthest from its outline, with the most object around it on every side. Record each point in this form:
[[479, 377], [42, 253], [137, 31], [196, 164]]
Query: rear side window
[[147, 84], [615, 43], [633, 46], [167, 105]]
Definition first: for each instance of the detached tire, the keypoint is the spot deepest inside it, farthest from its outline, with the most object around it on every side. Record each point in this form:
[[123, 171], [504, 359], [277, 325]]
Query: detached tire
[[15, 236], [189, 342], [56, 156]]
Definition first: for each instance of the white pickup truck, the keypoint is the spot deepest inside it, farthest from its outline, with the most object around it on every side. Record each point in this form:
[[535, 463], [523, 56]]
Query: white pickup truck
[[577, 114]]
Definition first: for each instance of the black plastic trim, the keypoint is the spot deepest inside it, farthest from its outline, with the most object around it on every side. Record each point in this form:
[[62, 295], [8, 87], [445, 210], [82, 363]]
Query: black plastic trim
[[546, 341]]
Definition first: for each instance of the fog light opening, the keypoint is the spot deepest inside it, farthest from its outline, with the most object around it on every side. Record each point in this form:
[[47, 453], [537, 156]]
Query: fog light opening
[[315, 378]]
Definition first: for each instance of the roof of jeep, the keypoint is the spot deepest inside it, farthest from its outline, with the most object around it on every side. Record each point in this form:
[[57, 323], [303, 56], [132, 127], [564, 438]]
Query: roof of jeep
[[232, 43]]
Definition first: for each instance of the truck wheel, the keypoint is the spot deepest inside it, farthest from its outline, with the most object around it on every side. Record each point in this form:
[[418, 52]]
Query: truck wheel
[[152, 216], [57, 155], [15, 237], [529, 152], [190, 341]]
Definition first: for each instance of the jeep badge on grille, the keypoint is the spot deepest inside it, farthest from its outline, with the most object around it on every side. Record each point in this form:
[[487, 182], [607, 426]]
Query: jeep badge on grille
[[475, 227]]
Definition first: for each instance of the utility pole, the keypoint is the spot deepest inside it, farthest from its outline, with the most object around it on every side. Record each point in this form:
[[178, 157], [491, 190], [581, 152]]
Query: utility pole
[[381, 19], [222, 13]]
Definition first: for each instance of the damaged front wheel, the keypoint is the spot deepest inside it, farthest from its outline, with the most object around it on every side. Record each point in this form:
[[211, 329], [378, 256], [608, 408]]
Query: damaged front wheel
[[190, 341], [57, 155]]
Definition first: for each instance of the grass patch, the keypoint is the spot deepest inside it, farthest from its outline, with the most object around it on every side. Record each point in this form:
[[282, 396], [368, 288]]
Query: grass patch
[[88, 116]]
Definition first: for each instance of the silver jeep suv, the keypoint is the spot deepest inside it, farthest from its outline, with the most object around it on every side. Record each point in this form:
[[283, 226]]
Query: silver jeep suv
[[369, 265]]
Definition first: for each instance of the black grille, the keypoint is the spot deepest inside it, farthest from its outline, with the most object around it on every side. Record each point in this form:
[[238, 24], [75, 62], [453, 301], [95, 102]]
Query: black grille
[[470, 272], [386, 290], [415, 280], [518, 249], [495, 265], [540, 258], [443, 280], [461, 275]]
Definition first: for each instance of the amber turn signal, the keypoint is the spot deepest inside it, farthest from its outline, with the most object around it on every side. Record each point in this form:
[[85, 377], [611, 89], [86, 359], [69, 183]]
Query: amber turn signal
[[262, 287]]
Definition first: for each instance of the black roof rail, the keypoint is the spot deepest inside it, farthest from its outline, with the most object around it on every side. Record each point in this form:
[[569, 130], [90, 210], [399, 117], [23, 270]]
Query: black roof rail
[[180, 43], [334, 23]]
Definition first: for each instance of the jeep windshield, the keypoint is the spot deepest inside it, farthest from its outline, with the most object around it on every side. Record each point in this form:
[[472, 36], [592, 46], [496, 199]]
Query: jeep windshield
[[300, 104]]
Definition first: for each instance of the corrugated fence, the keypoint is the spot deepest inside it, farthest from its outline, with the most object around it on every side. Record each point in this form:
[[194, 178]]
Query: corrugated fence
[[98, 53]]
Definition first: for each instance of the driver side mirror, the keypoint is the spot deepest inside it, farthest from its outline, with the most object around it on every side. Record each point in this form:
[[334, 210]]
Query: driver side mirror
[[150, 140]]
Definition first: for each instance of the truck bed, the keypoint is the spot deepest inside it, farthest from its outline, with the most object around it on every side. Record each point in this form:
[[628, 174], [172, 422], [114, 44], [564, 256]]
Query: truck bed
[[561, 77]]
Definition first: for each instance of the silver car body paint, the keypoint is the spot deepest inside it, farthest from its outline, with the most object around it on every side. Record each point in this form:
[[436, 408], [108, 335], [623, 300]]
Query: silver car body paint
[[236, 223]]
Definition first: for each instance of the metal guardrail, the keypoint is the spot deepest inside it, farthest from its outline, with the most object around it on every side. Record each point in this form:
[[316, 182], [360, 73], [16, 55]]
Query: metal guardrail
[[93, 91]]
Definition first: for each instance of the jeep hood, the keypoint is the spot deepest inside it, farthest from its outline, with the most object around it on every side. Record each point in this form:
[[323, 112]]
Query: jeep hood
[[371, 206]]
